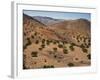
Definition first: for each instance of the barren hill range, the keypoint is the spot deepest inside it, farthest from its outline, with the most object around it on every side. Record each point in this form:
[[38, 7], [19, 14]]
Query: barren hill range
[[53, 43]]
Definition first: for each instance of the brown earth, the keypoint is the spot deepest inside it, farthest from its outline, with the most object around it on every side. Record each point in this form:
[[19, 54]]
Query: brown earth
[[64, 44]]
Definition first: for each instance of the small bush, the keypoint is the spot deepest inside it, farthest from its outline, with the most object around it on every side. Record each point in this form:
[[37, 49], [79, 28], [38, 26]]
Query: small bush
[[35, 33], [55, 56], [55, 49], [37, 41], [73, 44], [28, 43], [65, 51], [71, 48], [89, 56], [54, 42], [43, 41], [48, 43], [60, 46], [32, 37], [43, 45], [84, 50], [48, 66], [82, 46], [34, 54], [70, 64], [40, 49]]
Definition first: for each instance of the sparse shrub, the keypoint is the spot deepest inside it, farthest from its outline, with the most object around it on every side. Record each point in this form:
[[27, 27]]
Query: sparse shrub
[[52, 66], [34, 54], [84, 50], [70, 64], [35, 33], [55, 49], [89, 42], [28, 43], [89, 56], [54, 42], [43, 45], [84, 39], [82, 46], [43, 41], [60, 45], [47, 42], [71, 47], [48, 66], [40, 49], [65, 51], [24, 34], [24, 57], [37, 41], [55, 56], [78, 40], [32, 37]]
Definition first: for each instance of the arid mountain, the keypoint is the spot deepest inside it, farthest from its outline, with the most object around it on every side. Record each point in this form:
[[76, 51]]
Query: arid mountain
[[70, 29], [47, 20], [49, 43]]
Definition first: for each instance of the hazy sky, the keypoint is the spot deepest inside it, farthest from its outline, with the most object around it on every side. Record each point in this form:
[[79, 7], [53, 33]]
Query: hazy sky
[[58, 15]]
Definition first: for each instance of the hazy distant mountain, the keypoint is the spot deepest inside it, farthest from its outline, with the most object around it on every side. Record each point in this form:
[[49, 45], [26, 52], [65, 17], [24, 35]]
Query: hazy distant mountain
[[47, 20]]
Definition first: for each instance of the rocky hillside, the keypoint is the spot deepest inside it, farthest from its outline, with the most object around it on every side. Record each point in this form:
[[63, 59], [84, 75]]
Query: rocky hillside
[[55, 43]]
